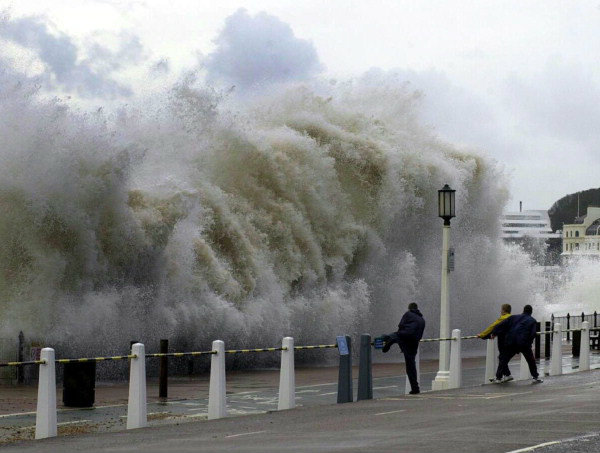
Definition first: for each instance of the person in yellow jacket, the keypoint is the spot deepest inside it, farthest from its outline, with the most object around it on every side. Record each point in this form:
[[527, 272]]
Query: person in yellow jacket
[[485, 334]]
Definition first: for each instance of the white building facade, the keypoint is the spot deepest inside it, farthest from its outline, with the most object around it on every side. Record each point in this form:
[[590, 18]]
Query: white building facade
[[531, 223], [582, 238]]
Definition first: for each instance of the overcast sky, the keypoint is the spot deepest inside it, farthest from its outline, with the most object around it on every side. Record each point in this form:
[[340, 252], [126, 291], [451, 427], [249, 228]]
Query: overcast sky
[[520, 80]]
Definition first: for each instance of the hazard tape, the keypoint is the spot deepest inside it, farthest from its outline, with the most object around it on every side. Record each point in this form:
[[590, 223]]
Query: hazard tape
[[180, 354], [97, 359], [317, 346], [245, 351], [31, 362]]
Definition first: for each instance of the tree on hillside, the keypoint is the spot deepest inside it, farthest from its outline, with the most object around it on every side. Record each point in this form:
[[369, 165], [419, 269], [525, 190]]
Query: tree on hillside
[[565, 209]]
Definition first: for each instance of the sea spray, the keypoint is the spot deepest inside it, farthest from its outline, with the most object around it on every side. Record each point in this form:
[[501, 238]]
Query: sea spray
[[304, 211]]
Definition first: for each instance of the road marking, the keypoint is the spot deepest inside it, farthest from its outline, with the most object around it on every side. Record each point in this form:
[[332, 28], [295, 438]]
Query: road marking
[[386, 387], [330, 393], [245, 434], [73, 422], [545, 444], [391, 412]]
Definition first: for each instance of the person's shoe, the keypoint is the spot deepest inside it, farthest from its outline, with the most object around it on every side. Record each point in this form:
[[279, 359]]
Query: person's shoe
[[537, 380], [414, 392], [386, 346], [495, 381], [507, 378]]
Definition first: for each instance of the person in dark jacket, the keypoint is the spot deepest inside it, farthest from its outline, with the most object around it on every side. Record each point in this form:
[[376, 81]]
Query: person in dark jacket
[[409, 333], [484, 335], [519, 333]]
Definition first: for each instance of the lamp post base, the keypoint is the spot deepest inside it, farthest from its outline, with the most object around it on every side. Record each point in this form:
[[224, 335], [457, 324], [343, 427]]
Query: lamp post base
[[441, 381]]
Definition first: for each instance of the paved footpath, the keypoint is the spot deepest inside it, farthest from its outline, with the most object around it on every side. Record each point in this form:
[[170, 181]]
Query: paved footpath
[[509, 417]]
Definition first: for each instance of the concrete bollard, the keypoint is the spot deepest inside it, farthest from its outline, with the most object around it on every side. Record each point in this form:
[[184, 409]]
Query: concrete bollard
[[217, 403], [455, 380], [556, 358], [136, 408], [584, 352], [491, 360], [45, 418], [365, 369], [524, 369], [287, 376], [407, 388], [345, 394]]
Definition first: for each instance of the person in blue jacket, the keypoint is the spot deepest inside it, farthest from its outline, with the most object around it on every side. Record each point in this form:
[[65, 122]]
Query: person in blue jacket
[[409, 333], [519, 332]]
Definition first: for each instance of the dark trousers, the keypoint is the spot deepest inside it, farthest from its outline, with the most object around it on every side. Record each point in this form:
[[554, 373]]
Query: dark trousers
[[411, 370], [409, 359], [508, 353]]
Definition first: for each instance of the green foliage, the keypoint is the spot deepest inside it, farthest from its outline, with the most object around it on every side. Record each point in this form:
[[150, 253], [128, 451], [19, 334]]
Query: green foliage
[[565, 209]]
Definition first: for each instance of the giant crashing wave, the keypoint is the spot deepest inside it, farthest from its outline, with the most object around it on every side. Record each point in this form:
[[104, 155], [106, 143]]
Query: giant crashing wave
[[308, 211]]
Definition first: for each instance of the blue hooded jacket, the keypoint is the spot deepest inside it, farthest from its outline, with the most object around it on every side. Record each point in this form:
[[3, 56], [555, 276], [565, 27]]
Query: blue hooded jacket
[[410, 330], [518, 330]]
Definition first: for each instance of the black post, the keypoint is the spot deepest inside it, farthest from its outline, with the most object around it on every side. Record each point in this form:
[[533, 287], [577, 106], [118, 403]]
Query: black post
[[547, 339], [582, 316], [595, 319], [575, 347], [365, 369], [345, 372], [163, 373], [568, 327], [20, 358], [538, 341]]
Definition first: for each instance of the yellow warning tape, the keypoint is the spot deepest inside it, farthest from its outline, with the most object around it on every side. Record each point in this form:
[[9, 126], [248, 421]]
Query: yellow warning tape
[[245, 351], [97, 359], [317, 346], [180, 354], [30, 362]]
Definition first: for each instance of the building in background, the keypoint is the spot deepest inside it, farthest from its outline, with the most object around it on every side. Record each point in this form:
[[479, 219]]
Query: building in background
[[532, 223], [582, 237]]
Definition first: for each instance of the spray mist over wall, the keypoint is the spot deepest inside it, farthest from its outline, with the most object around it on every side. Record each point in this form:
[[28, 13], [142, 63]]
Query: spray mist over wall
[[308, 211]]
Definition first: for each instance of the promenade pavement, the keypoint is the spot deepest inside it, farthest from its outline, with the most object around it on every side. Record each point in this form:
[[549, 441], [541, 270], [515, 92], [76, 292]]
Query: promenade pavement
[[510, 417]]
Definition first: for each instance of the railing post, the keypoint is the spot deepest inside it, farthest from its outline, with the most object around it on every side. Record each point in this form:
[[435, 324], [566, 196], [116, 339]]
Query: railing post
[[20, 358], [136, 407], [568, 327], [217, 402], [595, 319], [491, 361], [524, 369], [537, 350], [287, 376], [163, 380], [365, 369], [584, 350], [407, 387], [576, 344], [547, 341], [556, 359], [45, 418], [455, 380], [345, 372]]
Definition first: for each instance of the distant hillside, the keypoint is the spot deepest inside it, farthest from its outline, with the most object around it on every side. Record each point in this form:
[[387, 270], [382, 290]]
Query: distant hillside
[[565, 209]]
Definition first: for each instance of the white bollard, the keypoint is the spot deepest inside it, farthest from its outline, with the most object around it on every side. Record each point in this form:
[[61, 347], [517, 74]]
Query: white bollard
[[407, 387], [524, 373], [556, 358], [287, 376], [45, 418], [217, 403], [491, 360], [136, 407], [455, 380], [584, 349]]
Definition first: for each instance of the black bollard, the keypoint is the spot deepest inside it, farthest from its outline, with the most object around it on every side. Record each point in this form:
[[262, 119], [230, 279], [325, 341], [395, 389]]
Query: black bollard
[[365, 369], [568, 327], [547, 340], [345, 371], [163, 373], [575, 347], [538, 341], [20, 358]]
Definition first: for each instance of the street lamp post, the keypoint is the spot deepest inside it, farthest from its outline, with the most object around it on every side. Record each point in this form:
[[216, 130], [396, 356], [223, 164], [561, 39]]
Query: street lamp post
[[446, 211]]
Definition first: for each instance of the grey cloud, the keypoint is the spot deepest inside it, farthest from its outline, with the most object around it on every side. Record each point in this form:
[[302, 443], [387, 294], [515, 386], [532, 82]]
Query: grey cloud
[[258, 50], [561, 102], [90, 77]]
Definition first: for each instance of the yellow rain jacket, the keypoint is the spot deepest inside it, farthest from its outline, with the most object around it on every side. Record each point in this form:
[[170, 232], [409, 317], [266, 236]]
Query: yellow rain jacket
[[486, 333]]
